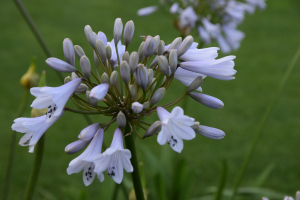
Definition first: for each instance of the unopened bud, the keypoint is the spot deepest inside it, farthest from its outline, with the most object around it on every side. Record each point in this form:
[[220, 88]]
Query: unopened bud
[[78, 51], [175, 44], [150, 76], [133, 61], [157, 96], [82, 88], [60, 65], [141, 76], [88, 133], [85, 66], [161, 48], [30, 78], [137, 107], [104, 78], [69, 51], [102, 37], [163, 65], [210, 132], [91, 100], [146, 104], [132, 91], [141, 52], [67, 79], [207, 100], [195, 126], [108, 52], [76, 146], [114, 78], [74, 76], [154, 62], [195, 84], [96, 60], [153, 86], [128, 32], [118, 27], [153, 129], [125, 56], [185, 45], [125, 71], [100, 91], [121, 120], [164, 80], [90, 36], [149, 46], [298, 195], [101, 49], [157, 40], [173, 60]]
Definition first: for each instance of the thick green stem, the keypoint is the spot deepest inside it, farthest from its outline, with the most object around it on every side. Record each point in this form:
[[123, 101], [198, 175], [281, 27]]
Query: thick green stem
[[263, 122], [39, 150], [12, 149], [136, 178]]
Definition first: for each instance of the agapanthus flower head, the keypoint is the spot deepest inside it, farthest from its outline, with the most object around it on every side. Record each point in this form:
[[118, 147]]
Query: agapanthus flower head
[[127, 87]]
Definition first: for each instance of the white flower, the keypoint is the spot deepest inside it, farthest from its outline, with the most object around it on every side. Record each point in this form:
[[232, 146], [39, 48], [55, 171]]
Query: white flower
[[99, 92], [137, 107], [220, 69], [85, 160], [233, 36], [114, 159], [224, 46], [235, 11], [188, 18], [200, 54], [174, 8], [259, 3], [205, 37], [102, 37], [34, 129], [147, 10], [121, 50], [54, 98], [213, 30], [187, 77], [175, 127]]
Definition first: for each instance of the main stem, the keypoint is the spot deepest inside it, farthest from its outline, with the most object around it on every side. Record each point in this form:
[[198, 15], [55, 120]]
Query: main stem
[[12, 150], [39, 150], [135, 175]]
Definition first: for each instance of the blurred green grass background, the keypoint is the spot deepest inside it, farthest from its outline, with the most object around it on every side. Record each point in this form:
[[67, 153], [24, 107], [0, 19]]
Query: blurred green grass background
[[272, 38]]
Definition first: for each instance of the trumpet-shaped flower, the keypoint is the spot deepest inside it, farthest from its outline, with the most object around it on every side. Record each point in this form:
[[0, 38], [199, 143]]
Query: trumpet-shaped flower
[[175, 127], [188, 18], [114, 159], [85, 160], [34, 128], [187, 77], [54, 98], [121, 50]]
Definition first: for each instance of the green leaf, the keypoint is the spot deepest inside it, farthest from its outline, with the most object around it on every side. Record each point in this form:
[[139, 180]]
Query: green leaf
[[42, 81], [219, 192], [160, 187], [186, 188], [178, 181], [264, 175]]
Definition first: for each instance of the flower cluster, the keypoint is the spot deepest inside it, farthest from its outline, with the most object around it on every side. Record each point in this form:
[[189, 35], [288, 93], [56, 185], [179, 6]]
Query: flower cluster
[[214, 20], [127, 88], [288, 197]]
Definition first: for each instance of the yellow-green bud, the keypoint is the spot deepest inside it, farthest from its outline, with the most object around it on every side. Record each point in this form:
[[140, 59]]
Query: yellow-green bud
[[104, 78], [195, 126], [30, 78], [67, 79]]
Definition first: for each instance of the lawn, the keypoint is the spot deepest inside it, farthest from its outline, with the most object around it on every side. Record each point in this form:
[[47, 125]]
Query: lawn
[[272, 38]]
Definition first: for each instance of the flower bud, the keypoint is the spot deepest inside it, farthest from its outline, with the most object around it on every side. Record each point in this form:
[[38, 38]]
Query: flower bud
[[82, 88], [153, 86], [125, 71], [90, 36], [118, 30], [173, 60], [85, 66], [60, 65], [96, 60], [125, 56], [69, 51], [146, 104], [164, 80], [195, 126], [101, 49], [114, 78], [150, 76], [67, 79], [175, 44], [157, 96], [132, 91], [88, 133], [185, 45], [74, 76], [108, 52], [163, 65], [78, 51], [128, 32], [161, 48], [102, 37], [30, 78], [195, 84], [141, 52], [207, 100], [154, 62], [210, 132], [157, 40], [91, 100], [149, 46], [76, 146], [137, 107], [104, 78], [133, 61], [298, 195], [100, 91], [121, 120], [154, 128], [141, 76]]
